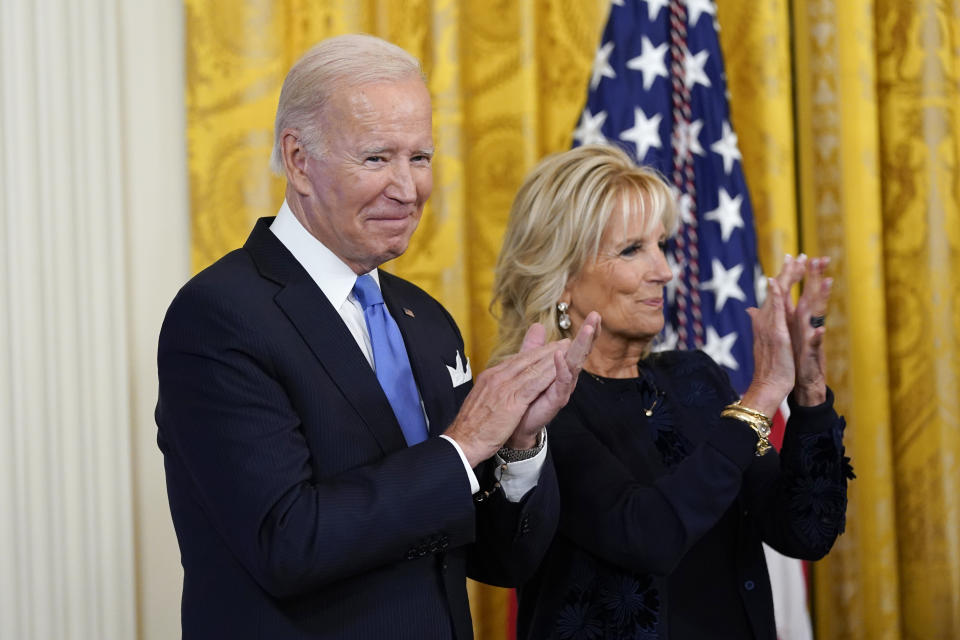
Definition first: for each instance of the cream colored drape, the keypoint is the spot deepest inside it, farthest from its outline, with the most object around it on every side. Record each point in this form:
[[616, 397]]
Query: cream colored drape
[[847, 114]]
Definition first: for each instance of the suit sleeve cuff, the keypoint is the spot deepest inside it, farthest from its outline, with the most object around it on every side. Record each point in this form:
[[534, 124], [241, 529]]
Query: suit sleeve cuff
[[471, 476]]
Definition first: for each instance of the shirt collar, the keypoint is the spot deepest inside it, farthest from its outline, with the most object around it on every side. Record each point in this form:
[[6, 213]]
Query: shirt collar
[[331, 274]]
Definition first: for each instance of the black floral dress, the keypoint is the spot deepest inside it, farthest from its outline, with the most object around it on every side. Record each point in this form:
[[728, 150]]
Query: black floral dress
[[665, 506]]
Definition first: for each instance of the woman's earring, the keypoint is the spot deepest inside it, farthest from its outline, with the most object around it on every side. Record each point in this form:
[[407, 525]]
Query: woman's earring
[[563, 319]]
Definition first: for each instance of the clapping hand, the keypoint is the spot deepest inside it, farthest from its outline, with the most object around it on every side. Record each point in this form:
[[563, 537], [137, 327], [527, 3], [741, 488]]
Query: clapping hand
[[805, 323], [512, 401], [773, 360], [567, 367]]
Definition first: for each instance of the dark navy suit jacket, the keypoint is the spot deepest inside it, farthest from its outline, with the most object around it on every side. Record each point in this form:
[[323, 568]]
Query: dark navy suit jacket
[[299, 509]]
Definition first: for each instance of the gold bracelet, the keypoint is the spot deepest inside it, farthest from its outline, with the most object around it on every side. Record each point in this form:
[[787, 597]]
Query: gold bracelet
[[757, 421], [752, 412]]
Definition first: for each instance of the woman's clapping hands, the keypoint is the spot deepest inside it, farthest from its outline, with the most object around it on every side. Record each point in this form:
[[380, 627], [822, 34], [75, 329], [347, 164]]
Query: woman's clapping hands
[[807, 340], [787, 348]]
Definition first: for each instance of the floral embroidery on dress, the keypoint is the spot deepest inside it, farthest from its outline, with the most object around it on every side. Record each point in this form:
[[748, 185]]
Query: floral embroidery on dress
[[614, 605], [699, 394], [818, 505], [631, 602], [672, 446], [579, 619], [820, 453], [817, 501]]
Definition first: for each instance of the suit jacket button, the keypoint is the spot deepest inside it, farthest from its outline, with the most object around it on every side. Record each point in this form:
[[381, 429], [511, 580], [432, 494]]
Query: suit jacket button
[[749, 585], [524, 526]]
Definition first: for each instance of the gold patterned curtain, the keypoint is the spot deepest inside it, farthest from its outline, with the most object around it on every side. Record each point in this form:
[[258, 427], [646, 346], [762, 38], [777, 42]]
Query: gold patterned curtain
[[847, 114], [507, 80]]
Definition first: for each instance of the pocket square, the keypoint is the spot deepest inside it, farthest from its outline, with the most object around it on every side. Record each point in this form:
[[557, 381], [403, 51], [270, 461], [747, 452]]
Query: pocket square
[[460, 374]]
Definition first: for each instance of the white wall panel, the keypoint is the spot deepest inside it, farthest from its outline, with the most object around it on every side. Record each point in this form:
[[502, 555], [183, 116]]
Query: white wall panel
[[93, 243]]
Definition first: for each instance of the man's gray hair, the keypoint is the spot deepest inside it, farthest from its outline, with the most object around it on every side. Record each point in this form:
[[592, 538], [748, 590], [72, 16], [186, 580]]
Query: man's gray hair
[[333, 65]]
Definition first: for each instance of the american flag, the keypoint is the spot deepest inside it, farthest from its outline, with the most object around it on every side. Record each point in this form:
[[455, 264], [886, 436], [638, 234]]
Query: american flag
[[658, 90]]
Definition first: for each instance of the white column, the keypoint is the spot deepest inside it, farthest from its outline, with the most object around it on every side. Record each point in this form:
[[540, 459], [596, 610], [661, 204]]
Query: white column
[[71, 347]]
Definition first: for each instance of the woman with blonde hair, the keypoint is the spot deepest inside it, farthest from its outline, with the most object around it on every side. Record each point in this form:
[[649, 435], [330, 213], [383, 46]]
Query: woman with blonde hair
[[668, 481]]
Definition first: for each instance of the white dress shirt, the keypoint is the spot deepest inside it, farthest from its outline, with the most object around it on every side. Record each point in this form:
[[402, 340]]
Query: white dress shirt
[[336, 280]]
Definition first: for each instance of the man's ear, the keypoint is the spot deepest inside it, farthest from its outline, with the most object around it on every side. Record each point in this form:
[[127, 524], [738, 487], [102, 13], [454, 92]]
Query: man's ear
[[295, 158]]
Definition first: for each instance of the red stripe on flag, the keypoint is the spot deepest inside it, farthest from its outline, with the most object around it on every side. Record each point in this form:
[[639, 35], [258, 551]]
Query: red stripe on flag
[[778, 429], [511, 631]]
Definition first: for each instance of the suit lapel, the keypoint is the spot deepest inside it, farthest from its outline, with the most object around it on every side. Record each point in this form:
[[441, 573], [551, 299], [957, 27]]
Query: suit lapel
[[433, 380], [323, 330]]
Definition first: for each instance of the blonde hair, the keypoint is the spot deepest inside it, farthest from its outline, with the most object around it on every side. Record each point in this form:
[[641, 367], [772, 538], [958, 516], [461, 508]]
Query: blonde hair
[[556, 223], [330, 66]]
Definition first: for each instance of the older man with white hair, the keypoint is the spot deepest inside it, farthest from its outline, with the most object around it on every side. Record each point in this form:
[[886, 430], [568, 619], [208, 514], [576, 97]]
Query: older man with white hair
[[333, 470]]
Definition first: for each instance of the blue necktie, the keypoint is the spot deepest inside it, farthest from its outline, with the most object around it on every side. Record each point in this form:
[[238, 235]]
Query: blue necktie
[[390, 360]]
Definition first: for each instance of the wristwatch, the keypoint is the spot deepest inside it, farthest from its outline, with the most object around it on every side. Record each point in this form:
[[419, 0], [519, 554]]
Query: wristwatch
[[516, 455]]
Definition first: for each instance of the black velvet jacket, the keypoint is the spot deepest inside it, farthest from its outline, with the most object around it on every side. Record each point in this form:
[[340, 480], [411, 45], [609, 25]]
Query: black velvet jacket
[[663, 515]]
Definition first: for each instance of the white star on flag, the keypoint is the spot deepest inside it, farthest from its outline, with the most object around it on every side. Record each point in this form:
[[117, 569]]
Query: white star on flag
[[589, 130], [726, 146], [695, 8], [688, 135], [724, 283], [667, 340], [654, 6], [719, 348], [759, 284], [693, 69], [601, 65], [685, 207], [651, 62], [727, 214], [645, 132]]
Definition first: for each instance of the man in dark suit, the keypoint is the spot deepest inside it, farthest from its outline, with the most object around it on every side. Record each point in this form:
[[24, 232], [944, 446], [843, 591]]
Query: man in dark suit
[[332, 469]]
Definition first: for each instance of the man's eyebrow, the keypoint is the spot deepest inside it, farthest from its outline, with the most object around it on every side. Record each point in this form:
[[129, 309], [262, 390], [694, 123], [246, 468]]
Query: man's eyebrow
[[377, 149], [372, 151]]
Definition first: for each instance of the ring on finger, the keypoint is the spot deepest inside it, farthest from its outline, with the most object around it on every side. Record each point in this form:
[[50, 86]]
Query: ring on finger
[[817, 321]]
